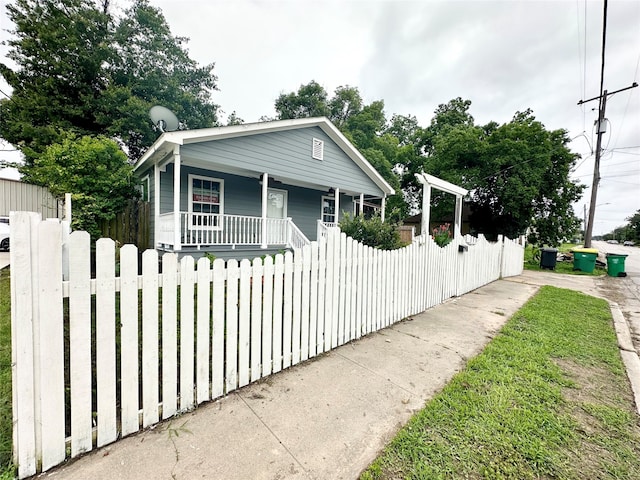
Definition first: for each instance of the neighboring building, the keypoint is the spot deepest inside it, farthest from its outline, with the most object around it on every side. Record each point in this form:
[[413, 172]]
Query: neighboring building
[[19, 196], [245, 190]]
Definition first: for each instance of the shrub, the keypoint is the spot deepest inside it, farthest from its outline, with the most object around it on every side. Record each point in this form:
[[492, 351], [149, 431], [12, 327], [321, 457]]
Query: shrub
[[372, 232]]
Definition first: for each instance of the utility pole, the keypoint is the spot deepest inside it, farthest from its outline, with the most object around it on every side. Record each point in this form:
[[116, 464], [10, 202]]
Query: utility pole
[[596, 167]]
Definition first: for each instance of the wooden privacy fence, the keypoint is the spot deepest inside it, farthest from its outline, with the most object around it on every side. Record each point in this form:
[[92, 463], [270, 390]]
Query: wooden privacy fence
[[129, 226], [96, 359]]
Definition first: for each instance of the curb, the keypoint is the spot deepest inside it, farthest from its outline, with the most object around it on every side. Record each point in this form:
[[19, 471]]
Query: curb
[[627, 352]]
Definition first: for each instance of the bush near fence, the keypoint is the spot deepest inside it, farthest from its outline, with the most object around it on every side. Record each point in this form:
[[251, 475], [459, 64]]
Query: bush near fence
[[203, 329]]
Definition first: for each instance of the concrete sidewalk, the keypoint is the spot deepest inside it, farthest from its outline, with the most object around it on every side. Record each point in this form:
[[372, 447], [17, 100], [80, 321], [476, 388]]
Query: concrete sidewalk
[[327, 418]]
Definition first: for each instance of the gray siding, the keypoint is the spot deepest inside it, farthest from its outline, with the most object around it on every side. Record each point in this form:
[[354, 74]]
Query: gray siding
[[285, 155]]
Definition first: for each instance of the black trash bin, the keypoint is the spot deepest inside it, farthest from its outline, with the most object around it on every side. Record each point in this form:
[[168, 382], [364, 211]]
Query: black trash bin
[[548, 258]]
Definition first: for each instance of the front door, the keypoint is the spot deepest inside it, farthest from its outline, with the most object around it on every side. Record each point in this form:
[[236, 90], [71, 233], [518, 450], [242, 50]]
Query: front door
[[276, 203], [276, 210]]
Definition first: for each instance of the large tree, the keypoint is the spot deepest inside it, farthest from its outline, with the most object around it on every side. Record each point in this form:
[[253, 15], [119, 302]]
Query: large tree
[[517, 173], [81, 69]]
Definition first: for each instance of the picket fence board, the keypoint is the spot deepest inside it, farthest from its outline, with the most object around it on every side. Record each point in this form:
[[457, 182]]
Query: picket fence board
[[233, 279], [267, 316], [129, 339], [23, 368], [296, 303], [222, 325], [203, 297], [107, 430], [150, 354], [313, 300], [244, 323], [304, 302], [51, 391], [187, 290], [342, 284], [278, 290], [80, 343], [218, 332], [322, 277], [287, 310], [169, 335], [256, 319]]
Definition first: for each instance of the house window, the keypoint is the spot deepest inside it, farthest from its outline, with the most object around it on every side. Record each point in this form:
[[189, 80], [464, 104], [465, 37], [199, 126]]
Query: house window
[[317, 150], [143, 188], [205, 201], [328, 210]]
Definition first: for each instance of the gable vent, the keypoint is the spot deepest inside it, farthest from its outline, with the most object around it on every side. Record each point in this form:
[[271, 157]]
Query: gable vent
[[317, 149]]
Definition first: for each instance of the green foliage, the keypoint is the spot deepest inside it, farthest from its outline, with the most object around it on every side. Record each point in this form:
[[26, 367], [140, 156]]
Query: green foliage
[[6, 414], [81, 68], [94, 170], [518, 173], [629, 231], [372, 232]]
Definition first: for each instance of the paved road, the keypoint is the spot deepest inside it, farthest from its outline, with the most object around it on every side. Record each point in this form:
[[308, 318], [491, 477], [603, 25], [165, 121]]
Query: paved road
[[625, 291]]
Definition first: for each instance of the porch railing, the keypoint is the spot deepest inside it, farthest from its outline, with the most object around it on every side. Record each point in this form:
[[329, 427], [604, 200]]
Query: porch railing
[[203, 229]]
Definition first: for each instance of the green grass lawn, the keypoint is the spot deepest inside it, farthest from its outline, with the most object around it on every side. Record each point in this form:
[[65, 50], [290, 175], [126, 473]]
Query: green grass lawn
[[548, 398], [6, 468]]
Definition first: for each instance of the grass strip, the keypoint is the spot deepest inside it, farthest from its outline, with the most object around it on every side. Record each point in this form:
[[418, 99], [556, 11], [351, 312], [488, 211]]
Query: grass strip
[[6, 415], [547, 398]]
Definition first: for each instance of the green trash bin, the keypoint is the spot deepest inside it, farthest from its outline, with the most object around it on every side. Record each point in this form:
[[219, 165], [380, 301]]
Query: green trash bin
[[584, 259], [615, 265]]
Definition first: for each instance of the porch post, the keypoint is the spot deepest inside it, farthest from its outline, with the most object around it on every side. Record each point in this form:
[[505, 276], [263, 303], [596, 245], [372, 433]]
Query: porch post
[[156, 205], [457, 223], [265, 188], [383, 205], [426, 206], [362, 204], [177, 243], [337, 204]]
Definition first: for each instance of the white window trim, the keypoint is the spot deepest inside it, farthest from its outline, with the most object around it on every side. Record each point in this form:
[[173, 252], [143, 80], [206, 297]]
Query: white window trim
[[335, 215], [145, 180], [317, 149], [190, 200], [286, 198]]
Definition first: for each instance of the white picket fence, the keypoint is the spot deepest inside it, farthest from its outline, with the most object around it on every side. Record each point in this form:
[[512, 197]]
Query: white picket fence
[[203, 329]]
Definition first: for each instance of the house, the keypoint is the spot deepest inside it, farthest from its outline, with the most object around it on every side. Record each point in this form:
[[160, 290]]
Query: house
[[244, 190]]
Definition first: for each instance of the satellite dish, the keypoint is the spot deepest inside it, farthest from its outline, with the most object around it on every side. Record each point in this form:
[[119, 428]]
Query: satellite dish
[[163, 118]]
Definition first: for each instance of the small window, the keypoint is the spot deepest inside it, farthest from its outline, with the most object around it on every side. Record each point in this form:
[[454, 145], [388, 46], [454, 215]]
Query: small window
[[317, 149]]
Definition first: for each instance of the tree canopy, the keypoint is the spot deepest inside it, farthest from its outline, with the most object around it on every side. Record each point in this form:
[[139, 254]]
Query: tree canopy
[[81, 69], [96, 172], [517, 173]]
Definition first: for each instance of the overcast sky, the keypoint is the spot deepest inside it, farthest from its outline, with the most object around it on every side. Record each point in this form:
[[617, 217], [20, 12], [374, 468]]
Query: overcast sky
[[504, 56]]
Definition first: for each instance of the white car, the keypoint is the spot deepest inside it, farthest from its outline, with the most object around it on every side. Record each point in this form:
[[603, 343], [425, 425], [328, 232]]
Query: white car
[[4, 233]]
